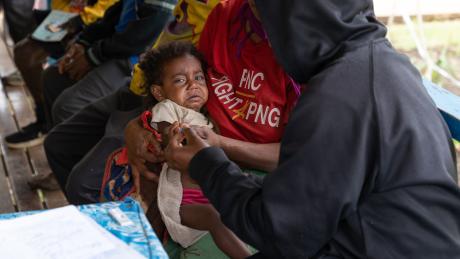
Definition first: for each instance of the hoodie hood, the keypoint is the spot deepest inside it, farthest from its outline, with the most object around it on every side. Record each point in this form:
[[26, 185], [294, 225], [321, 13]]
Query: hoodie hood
[[307, 35]]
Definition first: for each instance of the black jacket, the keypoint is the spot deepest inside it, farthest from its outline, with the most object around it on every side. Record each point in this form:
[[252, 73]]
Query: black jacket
[[103, 42], [366, 169]]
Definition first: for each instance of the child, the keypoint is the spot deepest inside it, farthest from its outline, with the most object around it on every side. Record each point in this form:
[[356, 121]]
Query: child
[[175, 74]]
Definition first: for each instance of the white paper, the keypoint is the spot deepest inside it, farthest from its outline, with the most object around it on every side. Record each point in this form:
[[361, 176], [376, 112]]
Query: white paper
[[59, 233]]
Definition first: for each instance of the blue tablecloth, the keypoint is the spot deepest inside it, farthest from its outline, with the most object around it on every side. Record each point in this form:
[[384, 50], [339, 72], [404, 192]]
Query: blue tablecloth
[[139, 236], [448, 104]]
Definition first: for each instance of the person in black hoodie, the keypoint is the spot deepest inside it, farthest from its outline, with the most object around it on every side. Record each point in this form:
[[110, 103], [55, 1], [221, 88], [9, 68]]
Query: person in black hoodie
[[366, 167]]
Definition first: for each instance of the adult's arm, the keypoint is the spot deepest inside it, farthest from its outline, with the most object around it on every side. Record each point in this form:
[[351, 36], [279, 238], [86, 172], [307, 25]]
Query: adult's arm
[[102, 28], [324, 159], [252, 155], [246, 154], [137, 140]]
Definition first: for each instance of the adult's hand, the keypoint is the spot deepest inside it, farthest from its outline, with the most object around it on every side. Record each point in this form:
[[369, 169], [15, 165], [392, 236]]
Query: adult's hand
[[212, 138], [178, 155], [79, 68], [142, 148], [74, 51]]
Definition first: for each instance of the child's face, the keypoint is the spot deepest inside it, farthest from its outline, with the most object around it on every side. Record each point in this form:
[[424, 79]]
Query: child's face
[[183, 83]]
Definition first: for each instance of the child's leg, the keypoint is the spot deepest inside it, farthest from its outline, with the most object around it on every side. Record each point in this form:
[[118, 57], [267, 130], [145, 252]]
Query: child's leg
[[205, 217]]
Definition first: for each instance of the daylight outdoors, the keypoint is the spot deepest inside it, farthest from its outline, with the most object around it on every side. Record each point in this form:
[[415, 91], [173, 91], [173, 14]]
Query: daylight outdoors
[[428, 32]]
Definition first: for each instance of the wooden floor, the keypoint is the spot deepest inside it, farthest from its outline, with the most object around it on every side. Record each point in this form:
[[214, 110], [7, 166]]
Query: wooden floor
[[17, 165]]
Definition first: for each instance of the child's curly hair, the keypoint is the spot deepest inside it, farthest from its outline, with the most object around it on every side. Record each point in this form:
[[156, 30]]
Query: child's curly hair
[[154, 61]]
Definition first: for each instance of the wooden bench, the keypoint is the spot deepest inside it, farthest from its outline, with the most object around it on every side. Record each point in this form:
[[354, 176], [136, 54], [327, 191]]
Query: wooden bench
[[17, 165]]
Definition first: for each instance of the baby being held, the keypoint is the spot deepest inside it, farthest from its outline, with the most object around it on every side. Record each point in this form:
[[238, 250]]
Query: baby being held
[[175, 74]]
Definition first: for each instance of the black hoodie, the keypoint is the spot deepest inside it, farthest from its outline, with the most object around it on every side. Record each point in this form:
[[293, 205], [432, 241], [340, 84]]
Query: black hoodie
[[366, 169]]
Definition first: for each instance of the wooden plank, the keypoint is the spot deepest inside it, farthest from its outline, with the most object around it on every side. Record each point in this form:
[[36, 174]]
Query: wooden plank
[[52, 199], [6, 127], [22, 104], [6, 200], [16, 160]]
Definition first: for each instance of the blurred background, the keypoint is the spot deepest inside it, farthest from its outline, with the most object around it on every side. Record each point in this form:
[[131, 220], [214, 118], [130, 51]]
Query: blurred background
[[428, 31]]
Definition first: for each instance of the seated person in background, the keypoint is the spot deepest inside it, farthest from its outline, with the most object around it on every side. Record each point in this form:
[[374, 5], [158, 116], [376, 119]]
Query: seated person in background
[[102, 59], [99, 63], [175, 74], [30, 55]]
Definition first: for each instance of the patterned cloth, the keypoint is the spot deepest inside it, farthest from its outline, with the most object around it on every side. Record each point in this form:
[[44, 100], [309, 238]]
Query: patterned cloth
[[132, 235]]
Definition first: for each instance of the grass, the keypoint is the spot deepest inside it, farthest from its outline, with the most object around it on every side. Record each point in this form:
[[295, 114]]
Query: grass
[[438, 34], [442, 39]]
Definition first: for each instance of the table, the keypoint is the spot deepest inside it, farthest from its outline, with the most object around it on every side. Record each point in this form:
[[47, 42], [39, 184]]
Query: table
[[139, 236], [448, 104]]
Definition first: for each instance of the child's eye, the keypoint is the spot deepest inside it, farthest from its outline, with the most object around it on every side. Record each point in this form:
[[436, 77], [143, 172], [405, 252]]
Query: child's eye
[[179, 81], [200, 78]]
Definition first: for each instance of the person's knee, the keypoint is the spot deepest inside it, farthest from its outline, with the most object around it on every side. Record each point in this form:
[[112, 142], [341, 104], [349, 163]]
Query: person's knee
[[50, 92], [81, 189], [51, 145], [74, 189], [58, 111], [22, 53]]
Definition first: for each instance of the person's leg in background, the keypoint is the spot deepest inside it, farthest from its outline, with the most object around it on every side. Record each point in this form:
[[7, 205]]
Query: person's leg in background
[[71, 140], [19, 17], [30, 56], [20, 22], [85, 179], [65, 100]]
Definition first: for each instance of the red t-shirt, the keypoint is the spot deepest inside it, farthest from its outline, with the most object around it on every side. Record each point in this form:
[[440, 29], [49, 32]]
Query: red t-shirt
[[250, 96]]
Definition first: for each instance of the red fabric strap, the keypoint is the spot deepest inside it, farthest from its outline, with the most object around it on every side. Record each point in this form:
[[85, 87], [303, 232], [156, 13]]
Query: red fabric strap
[[146, 117]]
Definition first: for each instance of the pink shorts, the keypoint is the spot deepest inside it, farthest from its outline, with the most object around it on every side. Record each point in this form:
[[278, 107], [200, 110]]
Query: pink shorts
[[193, 196]]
